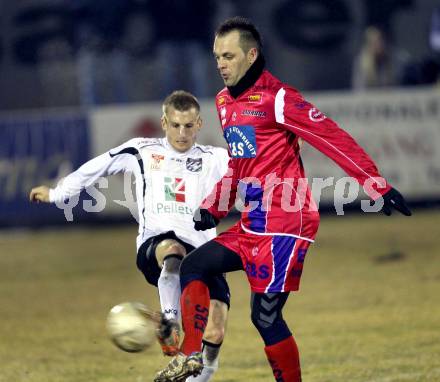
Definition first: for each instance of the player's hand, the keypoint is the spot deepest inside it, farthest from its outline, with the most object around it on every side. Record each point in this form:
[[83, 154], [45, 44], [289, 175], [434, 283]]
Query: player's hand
[[394, 199], [203, 220], [39, 194]]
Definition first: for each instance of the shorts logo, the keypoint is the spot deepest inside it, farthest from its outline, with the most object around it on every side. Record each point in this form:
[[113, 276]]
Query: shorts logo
[[255, 98], [194, 164], [241, 141], [156, 161], [174, 189], [316, 115], [261, 272]]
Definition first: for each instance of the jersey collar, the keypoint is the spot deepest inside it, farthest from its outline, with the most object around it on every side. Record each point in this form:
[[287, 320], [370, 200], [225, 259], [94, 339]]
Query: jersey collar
[[171, 148], [250, 77]]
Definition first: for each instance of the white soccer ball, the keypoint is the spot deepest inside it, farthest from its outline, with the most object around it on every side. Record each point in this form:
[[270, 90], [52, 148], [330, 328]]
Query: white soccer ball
[[128, 329]]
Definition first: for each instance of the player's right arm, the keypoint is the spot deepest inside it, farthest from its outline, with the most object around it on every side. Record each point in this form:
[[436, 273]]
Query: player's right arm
[[86, 175]]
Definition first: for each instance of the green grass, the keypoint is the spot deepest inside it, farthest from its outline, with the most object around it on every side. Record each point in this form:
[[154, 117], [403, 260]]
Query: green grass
[[368, 309]]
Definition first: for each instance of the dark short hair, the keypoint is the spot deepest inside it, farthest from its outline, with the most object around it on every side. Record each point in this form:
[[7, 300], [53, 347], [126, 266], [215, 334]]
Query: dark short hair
[[181, 100], [249, 35]]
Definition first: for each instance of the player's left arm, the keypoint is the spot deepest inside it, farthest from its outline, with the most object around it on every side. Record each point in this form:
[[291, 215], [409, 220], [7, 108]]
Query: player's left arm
[[309, 123], [87, 174]]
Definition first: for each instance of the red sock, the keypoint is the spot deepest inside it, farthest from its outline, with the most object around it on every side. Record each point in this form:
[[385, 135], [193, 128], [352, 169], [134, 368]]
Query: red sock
[[284, 360], [194, 303]]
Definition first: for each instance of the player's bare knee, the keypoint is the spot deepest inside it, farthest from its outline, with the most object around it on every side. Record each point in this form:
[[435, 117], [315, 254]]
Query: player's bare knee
[[170, 248]]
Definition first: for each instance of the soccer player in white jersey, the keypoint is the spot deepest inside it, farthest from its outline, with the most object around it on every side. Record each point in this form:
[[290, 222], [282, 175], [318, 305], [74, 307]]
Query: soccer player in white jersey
[[173, 175]]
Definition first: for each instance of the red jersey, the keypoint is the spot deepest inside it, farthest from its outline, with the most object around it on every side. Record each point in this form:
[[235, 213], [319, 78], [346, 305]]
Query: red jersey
[[262, 127]]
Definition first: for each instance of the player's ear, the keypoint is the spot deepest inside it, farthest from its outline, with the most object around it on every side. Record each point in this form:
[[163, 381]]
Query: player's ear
[[163, 122], [199, 123], [252, 55]]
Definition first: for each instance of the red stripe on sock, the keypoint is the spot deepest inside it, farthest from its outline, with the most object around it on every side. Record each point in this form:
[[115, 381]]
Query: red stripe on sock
[[284, 360], [194, 303]]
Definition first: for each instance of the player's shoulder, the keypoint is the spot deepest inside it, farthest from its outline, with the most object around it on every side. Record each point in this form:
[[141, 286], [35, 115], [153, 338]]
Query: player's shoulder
[[275, 86], [149, 142], [222, 97], [209, 150]]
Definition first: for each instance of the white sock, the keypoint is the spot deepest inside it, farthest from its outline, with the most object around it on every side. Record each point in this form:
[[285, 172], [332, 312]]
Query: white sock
[[210, 364], [169, 293]]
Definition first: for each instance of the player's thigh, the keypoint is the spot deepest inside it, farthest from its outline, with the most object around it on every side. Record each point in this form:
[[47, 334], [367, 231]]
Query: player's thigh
[[211, 259], [216, 326]]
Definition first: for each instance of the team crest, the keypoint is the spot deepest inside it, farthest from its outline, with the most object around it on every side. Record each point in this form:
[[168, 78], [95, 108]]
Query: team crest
[[156, 161], [194, 164]]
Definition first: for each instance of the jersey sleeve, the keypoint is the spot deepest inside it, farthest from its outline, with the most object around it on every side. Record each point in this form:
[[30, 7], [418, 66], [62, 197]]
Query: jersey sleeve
[[302, 118], [222, 162], [112, 162], [222, 197]]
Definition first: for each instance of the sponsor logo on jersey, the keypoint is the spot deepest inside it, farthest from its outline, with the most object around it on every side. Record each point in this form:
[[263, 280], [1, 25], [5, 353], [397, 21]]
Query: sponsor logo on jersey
[[156, 161], [173, 208], [254, 113], [174, 189], [194, 164], [241, 141], [316, 115], [221, 101], [255, 98]]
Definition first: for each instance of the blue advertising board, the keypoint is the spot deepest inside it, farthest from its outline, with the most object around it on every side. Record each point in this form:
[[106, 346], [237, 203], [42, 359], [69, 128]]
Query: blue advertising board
[[34, 150]]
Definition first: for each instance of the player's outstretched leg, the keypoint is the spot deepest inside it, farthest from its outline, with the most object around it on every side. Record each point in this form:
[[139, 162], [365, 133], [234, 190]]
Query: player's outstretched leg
[[281, 349]]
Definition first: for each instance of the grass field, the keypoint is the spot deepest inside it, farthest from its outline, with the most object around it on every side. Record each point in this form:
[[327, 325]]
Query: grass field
[[368, 309]]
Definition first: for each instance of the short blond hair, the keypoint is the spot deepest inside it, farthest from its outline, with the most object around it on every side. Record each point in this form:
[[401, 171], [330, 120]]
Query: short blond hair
[[181, 100]]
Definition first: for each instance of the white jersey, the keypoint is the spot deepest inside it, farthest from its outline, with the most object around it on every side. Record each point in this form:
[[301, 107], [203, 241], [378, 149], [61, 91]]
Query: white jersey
[[169, 185]]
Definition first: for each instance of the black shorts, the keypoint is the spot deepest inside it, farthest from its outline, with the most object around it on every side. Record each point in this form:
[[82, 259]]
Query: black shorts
[[147, 264]]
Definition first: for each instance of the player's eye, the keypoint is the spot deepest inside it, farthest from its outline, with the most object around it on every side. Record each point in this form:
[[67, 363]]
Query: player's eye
[[189, 125]]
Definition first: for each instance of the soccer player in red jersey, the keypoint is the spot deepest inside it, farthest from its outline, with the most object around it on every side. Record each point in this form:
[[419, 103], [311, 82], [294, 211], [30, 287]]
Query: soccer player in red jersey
[[262, 121]]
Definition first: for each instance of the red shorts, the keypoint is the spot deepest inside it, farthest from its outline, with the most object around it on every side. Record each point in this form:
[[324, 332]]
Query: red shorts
[[273, 263]]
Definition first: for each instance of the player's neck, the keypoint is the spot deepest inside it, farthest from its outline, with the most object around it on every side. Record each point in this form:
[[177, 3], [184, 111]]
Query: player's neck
[[250, 77]]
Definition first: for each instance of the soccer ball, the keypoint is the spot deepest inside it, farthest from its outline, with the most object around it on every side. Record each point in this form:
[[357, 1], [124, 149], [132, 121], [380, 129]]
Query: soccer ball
[[128, 328]]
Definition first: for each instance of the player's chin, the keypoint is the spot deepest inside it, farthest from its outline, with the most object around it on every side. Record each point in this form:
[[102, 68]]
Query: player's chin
[[180, 146]]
